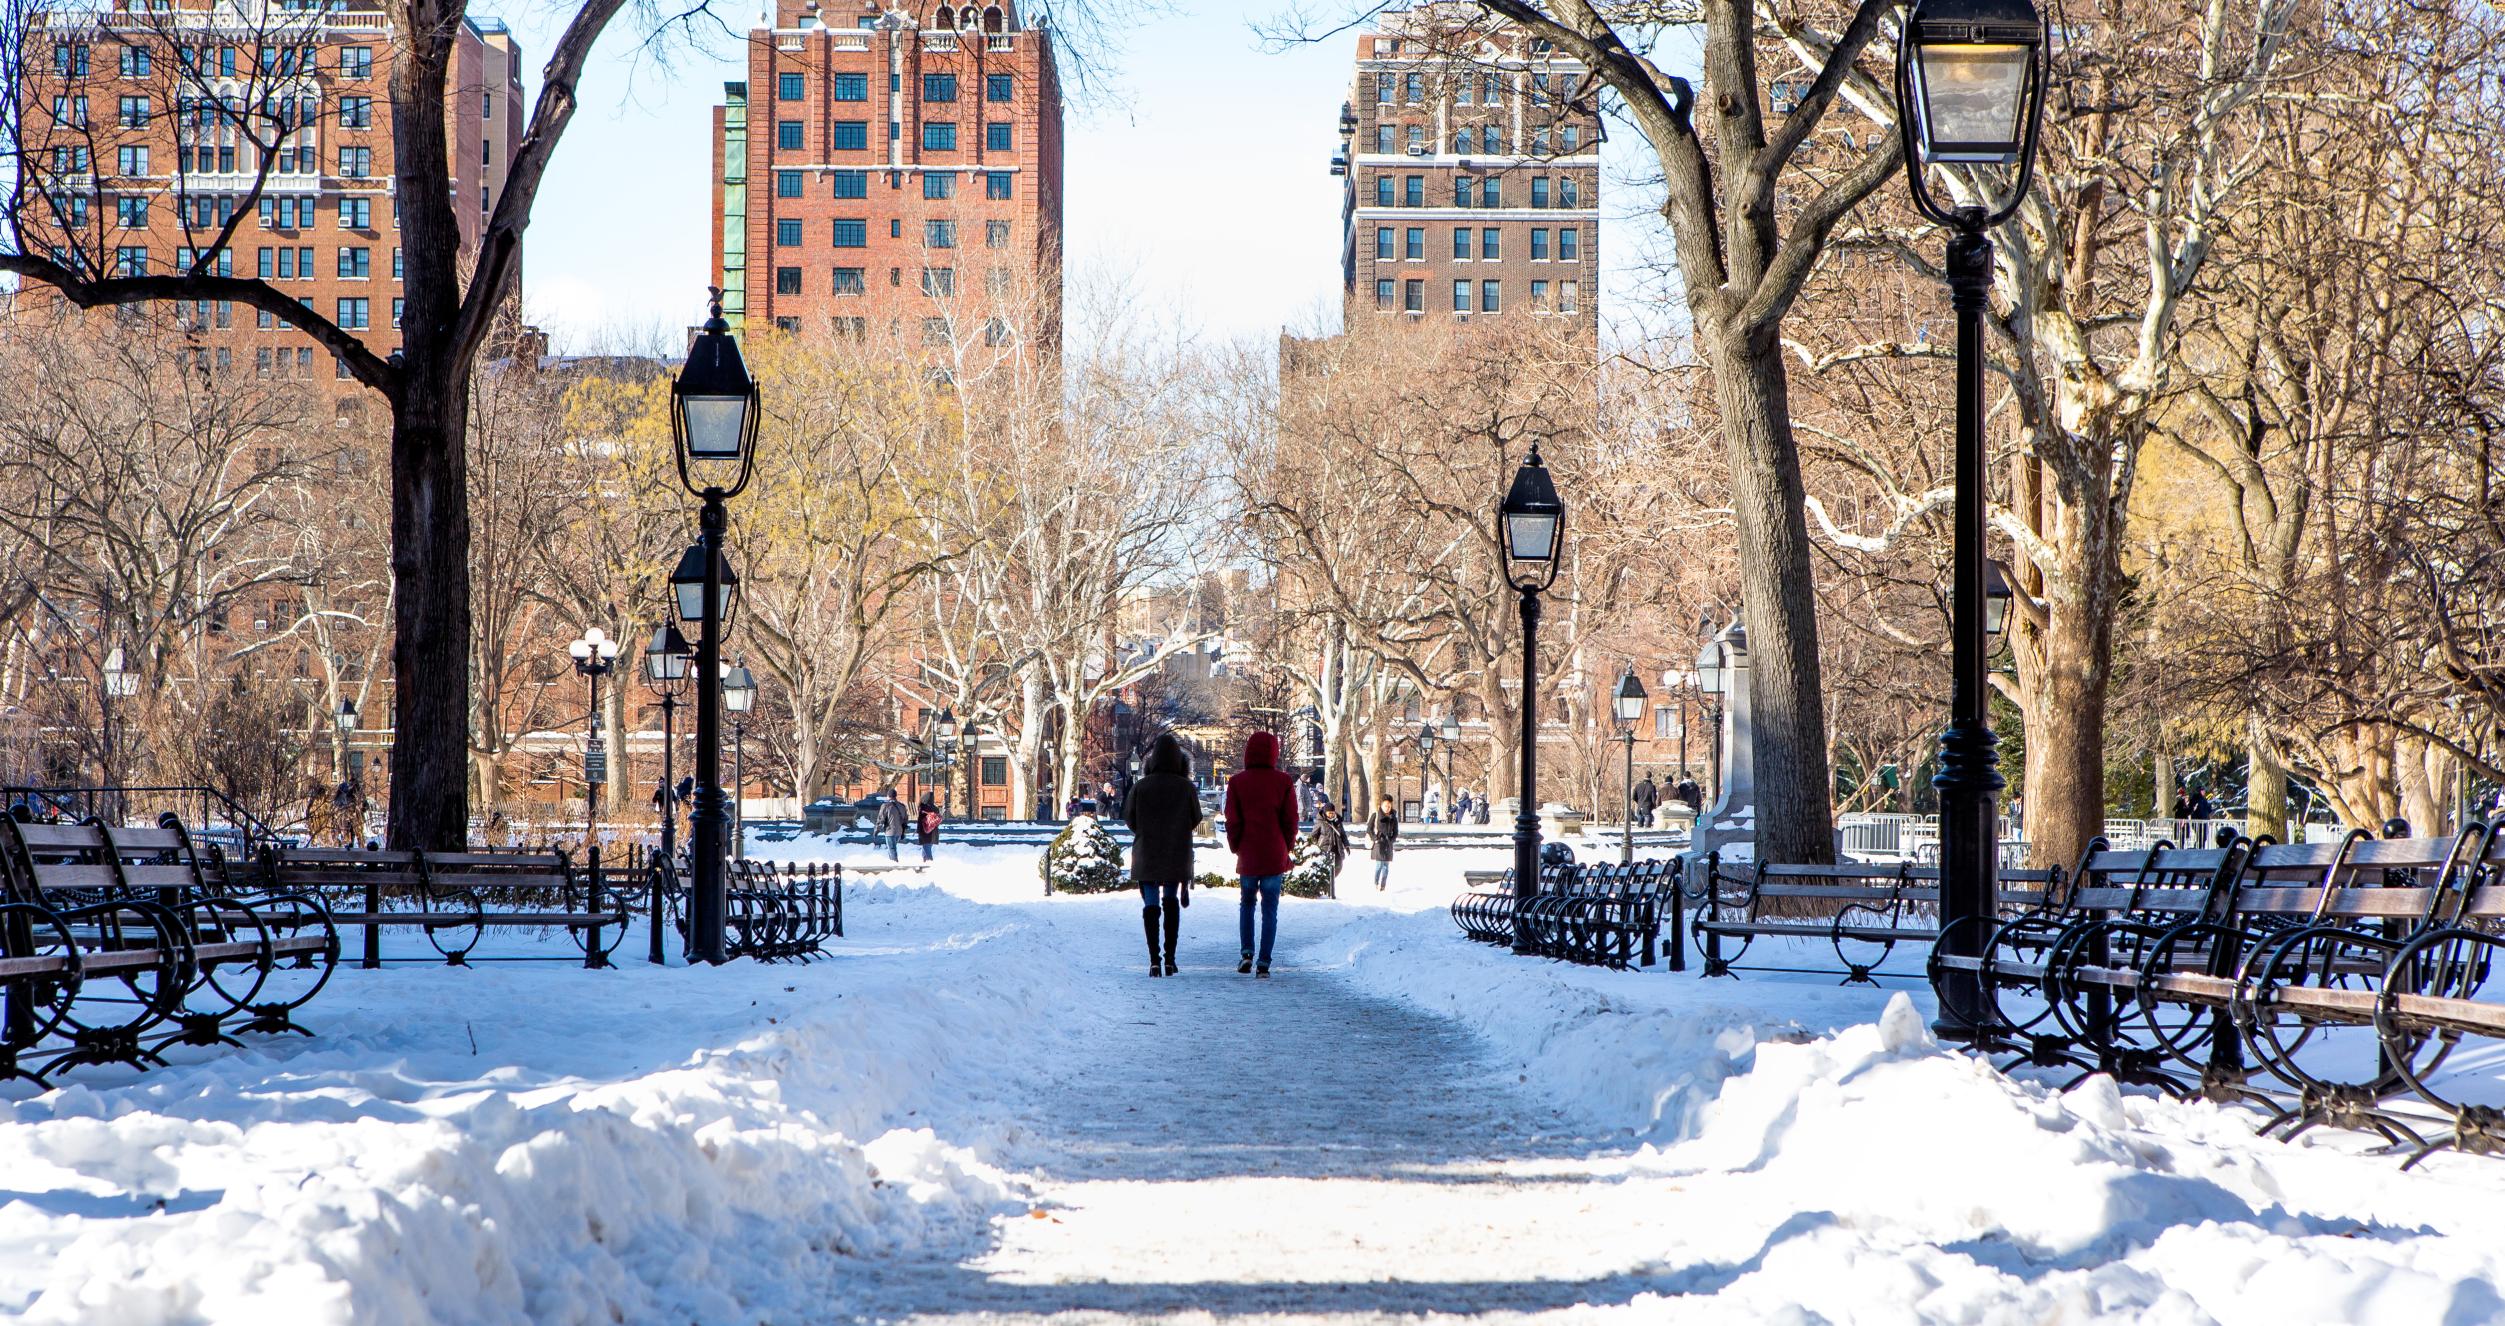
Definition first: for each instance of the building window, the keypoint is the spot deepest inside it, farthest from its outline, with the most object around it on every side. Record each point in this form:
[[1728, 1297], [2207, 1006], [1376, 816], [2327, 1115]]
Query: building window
[[1492, 138], [356, 61], [996, 87], [1539, 244], [268, 269], [995, 331], [1382, 190], [787, 184], [852, 87], [134, 112], [356, 264], [1569, 296], [939, 136], [995, 771], [787, 135], [1417, 139], [1539, 191], [1461, 90], [136, 62], [130, 160], [1487, 243], [939, 184], [1414, 247], [1489, 291], [1413, 296], [1413, 191], [852, 327], [1492, 89], [790, 87], [352, 314], [395, 264], [851, 232], [1461, 244], [1566, 191], [787, 232], [1383, 295], [935, 331], [787, 280], [356, 163], [1383, 243], [1383, 85], [787, 324], [1573, 137], [131, 213], [1461, 296], [131, 260], [848, 281], [1383, 138], [939, 87], [1491, 192], [356, 213], [1461, 192], [397, 304], [1539, 296], [995, 234], [1413, 89], [939, 281], [851, 136], [69, 61], [939, 234], [1567, 245], [852, 184], [1464, 140], [999, 185], [996, 136], [356, 112], [1539, 142]]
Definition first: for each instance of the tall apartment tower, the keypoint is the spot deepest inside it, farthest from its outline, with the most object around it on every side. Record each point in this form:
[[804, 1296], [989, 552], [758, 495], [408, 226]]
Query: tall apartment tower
[[896, 169], [1471, 152], [147, 125]]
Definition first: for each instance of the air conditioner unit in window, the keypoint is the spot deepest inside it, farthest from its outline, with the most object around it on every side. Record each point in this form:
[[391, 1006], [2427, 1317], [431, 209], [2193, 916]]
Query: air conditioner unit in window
[[1417, 149]]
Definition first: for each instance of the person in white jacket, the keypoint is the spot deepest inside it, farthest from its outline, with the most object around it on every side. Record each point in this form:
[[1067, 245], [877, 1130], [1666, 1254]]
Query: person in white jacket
[[1434, 808]]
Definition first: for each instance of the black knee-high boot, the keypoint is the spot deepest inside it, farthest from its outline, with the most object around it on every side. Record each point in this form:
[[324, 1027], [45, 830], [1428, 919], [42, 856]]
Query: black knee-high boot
[[1174, 933], [1148, 927]]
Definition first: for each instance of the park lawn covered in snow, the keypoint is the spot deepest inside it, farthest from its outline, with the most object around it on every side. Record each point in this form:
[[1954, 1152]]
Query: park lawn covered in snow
[[539, 1143]]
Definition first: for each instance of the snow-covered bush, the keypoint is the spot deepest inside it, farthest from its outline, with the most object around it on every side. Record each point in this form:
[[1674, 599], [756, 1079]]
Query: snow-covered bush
[[1309, 870], [1083, 858]]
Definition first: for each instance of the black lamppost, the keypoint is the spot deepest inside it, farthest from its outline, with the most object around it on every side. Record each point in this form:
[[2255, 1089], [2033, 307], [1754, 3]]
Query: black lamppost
[[1626, 707], [1970, 80], [665, 668], [120, 683], [1450, 732], [713, 418], [595, 656], [1531, 522], [1711, 677], [739, 695]]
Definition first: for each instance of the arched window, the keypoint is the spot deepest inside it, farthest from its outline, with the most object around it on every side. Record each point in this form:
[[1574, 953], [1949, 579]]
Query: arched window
[[994, 20], [944, 18]]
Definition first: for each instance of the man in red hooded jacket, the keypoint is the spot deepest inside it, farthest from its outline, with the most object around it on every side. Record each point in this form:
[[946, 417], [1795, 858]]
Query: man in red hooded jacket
[[1261, 830]]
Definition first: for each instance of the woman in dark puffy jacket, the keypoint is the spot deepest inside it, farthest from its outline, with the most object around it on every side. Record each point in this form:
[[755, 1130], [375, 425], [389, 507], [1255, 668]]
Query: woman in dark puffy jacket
[[1163, 811]]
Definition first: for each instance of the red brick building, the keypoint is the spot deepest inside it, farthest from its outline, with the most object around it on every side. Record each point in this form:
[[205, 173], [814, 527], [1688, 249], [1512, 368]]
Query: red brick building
[[897, 170], [1473, 173], [147, 126]]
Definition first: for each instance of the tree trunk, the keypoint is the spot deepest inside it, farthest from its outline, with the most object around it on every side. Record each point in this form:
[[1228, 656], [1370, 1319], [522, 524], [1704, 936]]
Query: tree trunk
[[2266, 783], [430, 657], [2066, 722], [1795, 822]]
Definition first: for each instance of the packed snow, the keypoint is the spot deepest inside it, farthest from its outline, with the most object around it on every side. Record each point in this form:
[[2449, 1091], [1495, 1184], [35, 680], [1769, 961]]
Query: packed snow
[[981, 1103]]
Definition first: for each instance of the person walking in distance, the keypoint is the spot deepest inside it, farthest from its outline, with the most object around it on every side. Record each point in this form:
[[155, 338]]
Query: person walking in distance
[[926, 825], [1332, 834], [1260, 813], [1163, 812], [892, 822], [1382, 830], [1644, 797]]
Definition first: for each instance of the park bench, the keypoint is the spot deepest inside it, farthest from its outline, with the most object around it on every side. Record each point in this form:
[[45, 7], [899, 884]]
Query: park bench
[[1599, 915], [775, 912], [1485, 909], [112, 935], [453, 898], [1862, 910]]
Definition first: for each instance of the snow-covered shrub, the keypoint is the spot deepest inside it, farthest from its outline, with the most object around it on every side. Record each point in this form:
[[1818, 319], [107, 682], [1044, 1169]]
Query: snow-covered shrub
[[1083, 858], [1309, 870]]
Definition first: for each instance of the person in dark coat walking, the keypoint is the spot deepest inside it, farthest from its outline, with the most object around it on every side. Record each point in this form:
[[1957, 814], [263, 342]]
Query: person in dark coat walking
[[1261, 830], [1644, 797], [926, 822], [1689, 794], [1163, 811], [892, 822], [1382, 831], [1332, 831]]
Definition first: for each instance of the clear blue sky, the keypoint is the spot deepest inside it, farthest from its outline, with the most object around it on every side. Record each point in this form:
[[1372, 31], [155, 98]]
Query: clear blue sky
[[1198, 171]]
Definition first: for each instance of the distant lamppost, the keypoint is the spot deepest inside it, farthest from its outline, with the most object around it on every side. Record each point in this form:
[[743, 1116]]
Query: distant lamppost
[[1970, 80], [1450, 739], [1426, 762], [1531, 523], [120, 683], [665, 669], [595, 656], [1626, 707], [739, 695], [1711, 679], [714, 409]]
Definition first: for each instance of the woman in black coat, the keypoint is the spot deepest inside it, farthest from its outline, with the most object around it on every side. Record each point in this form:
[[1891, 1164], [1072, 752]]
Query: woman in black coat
[[1382, 832], [1163, 811]]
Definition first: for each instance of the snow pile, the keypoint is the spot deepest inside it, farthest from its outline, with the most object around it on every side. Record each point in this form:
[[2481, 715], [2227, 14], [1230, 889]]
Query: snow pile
[[641, 1145]]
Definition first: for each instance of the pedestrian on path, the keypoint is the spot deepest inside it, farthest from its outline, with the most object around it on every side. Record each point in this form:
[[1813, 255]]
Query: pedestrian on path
[[1332, 832], [1163, 812], [926, 825], [891, 823], [1644, 798], [1382, 830], [1261, 830], [1433, 808]]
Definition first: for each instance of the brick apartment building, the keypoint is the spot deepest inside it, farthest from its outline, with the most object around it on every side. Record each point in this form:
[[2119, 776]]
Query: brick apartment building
[[894, 170], [1473, 184], [140, 121]]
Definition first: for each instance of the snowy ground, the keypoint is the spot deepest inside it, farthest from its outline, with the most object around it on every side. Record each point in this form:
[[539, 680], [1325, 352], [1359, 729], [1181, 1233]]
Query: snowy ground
[[983, 1108]]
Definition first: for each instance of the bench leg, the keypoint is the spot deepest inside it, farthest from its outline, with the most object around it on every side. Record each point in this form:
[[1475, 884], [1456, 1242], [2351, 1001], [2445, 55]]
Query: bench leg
[[373, 957]]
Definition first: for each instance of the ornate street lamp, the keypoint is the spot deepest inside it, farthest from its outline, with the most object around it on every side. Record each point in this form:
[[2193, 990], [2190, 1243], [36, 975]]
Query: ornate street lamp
[[120, 683], [1712, 682], [595, 656], [665, 670], [714, 411], [1426, 764], [1450, 732], [1970, 78], [1625, 708], [1531, 524], [739, 695]]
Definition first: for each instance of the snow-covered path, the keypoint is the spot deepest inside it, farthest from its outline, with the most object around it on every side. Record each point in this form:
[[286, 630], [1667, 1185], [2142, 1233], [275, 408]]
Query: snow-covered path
[[1287, 1148]]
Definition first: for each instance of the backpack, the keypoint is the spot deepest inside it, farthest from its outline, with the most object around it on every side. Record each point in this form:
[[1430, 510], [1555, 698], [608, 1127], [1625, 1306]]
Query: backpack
[[929, 823]]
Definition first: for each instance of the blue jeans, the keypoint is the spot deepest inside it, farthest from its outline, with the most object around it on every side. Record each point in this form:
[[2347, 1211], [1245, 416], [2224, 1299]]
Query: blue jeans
[[1382, 873], [892, 840], [1266, 887], [1148, 895], [926, 851]]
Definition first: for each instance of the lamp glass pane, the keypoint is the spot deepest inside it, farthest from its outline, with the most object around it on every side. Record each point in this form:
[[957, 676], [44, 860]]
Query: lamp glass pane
[[1973, 97], [691, 599], [1995, 612], [715, 426], [1630, 707], [1531, 537]]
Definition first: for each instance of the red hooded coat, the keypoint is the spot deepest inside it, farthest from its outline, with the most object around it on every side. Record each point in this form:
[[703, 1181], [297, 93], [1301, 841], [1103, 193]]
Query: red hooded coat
[[1261, 810]]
